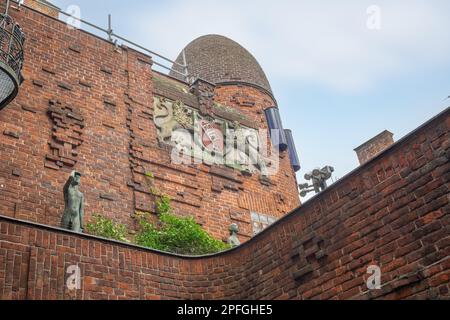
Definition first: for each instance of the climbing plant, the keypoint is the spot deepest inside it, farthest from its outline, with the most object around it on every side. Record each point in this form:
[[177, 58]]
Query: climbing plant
[[180, 235], [163, 205], [107, 228]]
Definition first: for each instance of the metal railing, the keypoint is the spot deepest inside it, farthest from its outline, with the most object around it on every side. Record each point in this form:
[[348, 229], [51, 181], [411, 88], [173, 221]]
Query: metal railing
[[11, 43], [113, 38], [11, 57]]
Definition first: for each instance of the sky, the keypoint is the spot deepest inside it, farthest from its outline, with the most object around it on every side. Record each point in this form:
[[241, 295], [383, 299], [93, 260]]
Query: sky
[[341, 71]]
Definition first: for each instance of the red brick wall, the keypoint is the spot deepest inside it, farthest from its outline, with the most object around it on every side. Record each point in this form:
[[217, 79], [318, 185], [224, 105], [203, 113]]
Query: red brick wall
[[100, 123], [374, 146], [392, 212], [87, 75], [50, 9]]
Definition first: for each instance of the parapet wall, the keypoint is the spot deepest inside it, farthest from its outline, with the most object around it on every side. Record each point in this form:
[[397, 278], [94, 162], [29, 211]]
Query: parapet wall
[[393, 212]]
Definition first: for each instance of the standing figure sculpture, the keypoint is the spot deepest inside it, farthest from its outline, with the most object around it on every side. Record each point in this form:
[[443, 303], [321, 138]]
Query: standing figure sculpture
[[233, 240], [74, 204]]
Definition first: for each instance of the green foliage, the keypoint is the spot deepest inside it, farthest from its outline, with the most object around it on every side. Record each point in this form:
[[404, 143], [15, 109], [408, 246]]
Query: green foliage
[[107, 228], [178, 235], [163, 205], [151, 181], [171, 234]]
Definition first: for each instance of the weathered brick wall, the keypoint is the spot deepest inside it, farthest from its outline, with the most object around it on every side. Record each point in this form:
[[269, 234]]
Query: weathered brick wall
[[43, 6], [87, 105], [392, 212], [374, 146], [83, 129]]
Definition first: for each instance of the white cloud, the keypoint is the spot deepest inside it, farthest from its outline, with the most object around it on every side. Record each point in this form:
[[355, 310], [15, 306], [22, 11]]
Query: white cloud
[[324, 42]]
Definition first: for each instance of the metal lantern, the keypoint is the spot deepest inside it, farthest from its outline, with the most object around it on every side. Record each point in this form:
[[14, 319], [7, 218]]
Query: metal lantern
[[11, 58]]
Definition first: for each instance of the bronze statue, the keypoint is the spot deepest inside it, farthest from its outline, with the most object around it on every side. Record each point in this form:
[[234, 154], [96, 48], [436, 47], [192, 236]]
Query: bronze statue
[[74, 204], [233, 240], [318, 178]]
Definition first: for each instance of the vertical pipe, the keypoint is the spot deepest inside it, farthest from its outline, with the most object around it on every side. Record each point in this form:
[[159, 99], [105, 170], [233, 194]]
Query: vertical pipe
[[277, 134], [109, 28], [293, 155], [185, 71], [7, 7]]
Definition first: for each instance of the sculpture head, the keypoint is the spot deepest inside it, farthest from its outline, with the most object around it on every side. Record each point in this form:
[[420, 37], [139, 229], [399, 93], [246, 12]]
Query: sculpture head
[[76, 178], [233, 240], [234, 228]]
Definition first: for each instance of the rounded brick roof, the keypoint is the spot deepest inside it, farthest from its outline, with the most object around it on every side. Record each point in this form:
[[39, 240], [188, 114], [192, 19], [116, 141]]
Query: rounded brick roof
[[218, 59]]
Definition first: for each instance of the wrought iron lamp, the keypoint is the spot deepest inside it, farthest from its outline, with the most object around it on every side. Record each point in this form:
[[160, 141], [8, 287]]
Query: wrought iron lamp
[[12, 39]]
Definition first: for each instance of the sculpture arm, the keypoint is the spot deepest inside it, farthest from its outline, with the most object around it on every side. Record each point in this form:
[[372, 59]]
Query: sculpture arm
[[82, 213], [66, 189]]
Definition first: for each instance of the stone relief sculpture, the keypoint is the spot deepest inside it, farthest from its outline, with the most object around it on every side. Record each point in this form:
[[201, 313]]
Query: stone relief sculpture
[[74, 204], [247, 150], [187, 130], [169, 116], [182, 140], [233, 240]]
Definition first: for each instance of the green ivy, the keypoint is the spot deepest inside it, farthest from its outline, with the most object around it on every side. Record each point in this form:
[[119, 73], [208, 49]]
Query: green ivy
[[107, 228], [163, 205], [150, 175], [178, 235], [171, 234], [151, 184]]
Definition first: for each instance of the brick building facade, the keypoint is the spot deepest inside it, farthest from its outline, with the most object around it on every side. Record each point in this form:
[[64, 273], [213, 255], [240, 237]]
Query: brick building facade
[[392, 212], [88, 105]]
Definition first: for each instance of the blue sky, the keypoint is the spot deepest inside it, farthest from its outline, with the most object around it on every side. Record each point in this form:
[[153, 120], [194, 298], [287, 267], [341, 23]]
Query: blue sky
[[337, 82]]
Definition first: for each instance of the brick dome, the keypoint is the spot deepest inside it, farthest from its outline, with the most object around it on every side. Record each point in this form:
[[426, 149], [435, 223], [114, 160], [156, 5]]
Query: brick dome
[[220, 60]]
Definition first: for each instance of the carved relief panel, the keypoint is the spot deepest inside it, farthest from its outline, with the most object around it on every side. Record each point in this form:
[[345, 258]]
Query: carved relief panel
[[206, 138]]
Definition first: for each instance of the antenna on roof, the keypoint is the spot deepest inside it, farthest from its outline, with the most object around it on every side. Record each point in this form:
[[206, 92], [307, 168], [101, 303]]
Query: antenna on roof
[[185, 69], [7, 7], [110, 30]]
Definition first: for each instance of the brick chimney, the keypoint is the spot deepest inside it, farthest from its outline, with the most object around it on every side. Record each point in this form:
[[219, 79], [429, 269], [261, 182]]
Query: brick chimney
[[46, 7], [374, 146]]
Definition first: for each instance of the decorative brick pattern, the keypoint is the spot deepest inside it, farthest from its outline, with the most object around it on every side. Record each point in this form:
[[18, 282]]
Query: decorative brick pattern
[[205, 93], [308, 251], [242, 99], [68, 125]]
